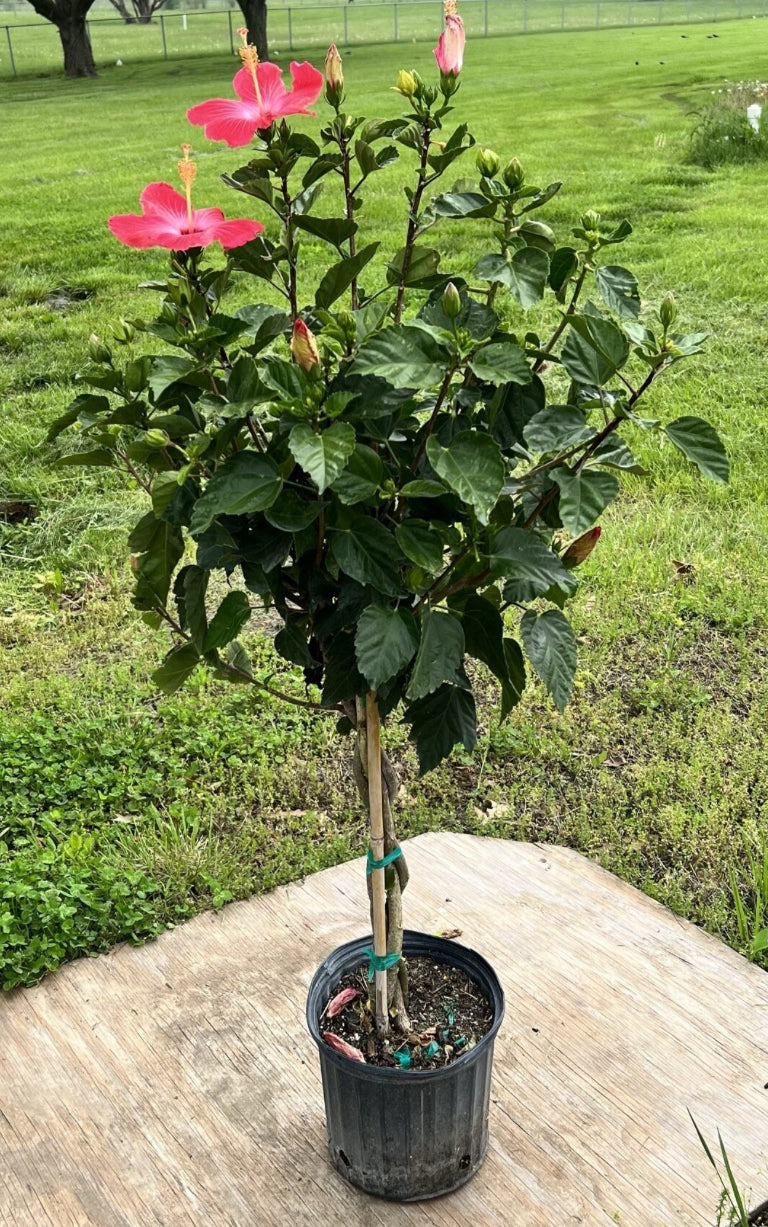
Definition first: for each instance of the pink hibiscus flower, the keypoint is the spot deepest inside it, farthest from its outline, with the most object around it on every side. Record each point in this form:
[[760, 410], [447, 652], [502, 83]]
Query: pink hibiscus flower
[[261, 99], [449, 51], [166, 220]]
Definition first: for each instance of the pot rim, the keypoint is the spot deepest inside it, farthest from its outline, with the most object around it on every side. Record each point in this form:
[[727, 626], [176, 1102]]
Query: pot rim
[[468, 960]]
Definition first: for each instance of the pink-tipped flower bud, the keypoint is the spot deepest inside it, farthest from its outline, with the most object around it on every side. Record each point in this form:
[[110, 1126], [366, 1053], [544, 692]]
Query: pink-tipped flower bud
[[304, 349], [334, 76], [449, 51], [580, 549]]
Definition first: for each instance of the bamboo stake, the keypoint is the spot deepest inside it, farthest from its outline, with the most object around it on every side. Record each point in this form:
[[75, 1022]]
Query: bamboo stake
[[378, 886]]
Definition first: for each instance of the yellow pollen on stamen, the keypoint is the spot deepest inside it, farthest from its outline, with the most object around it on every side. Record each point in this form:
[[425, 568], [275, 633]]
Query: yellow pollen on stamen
[[187, 172], [250, 59], [450, 7]]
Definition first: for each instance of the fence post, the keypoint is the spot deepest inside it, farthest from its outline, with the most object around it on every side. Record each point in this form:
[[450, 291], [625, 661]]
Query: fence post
[[597, 15], [290, 29], [346, 32], [10, 49], [231, 36], [394, 21], [485, 18], [562, 15], [629, 14], [525, 16], [162, 31]]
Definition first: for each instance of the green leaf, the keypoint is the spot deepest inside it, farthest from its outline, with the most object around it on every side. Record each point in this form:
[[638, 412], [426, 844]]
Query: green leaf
[[501, 362], [285, 378], [322, 456], [246, 482], [473, 467], [98, 457], [483, 628], [195, 587], [530, 567], [463, 204], [406, 356], [385, 642], [93, 405], [584, 496], [367, 552], [614, 453], [439, 721], [551, 648], [564, 263], [361, 478], [423, 488], [176, 668], [159, 546], [263, 323], [525, 275], [291, 643], [422, 268], [420, 542], [594, 351], [700, 443], [291, 513], [229, 619], [512, 690], [167, 370], [440, 655], [340, 276], [618, 290], [556, 428], [333, 230]]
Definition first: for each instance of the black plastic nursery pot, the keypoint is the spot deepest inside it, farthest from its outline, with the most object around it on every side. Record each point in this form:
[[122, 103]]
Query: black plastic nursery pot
[[406, 1134]]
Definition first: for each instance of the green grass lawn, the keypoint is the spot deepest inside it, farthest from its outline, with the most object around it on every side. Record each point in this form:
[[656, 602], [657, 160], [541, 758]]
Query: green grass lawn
[[122, 810]]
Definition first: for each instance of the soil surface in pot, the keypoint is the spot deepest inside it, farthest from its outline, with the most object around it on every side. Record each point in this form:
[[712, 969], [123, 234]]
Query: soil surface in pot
[[447, 1011]]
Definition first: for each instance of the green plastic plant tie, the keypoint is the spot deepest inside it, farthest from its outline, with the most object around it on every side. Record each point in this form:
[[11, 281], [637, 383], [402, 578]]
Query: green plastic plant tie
[[385, 860], [381, 962]]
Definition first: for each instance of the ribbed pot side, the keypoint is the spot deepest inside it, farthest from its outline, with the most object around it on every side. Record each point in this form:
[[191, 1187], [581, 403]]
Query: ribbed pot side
[[406, 1135]]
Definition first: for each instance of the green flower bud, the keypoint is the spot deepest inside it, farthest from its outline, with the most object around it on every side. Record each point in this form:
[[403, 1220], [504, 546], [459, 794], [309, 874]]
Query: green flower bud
[[514, 175], [451, 301], [668, 310], [590, 220], [123, 332], [157, 438], [96, 351], [488, 162]]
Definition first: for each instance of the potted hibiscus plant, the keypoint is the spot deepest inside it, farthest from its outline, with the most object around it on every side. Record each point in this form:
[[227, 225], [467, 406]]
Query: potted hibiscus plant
[[408, 476]]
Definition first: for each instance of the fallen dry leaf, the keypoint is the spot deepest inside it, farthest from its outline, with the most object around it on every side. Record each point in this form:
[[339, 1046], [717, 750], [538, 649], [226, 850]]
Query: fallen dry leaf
[[340, 1045]]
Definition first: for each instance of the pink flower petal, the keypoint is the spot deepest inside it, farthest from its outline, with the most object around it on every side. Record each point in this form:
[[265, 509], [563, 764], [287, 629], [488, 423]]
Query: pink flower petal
[[307, 84], [161, 200], [135, 230], [203, 218], [339, 1045], [237, 232], [227, 119], [341, 1001]]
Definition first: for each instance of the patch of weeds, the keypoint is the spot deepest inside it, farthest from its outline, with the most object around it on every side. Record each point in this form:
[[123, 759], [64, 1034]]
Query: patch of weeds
[[731, 128]]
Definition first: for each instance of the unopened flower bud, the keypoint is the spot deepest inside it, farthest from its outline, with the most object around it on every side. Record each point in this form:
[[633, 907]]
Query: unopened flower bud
[[580, 549], [488, 162], [157, 438], [334, 76], [668, 310], [96, 351], [514, 175], [304, 347], [406, 83], [451, 301], [590, 220], [123, 332]]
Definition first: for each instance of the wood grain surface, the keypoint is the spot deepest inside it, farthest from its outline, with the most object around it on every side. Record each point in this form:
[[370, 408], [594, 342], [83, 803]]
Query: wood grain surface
[[175, 1085]]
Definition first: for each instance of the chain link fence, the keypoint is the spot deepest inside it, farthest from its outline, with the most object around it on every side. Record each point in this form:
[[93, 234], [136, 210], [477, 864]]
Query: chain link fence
[[34, 46]]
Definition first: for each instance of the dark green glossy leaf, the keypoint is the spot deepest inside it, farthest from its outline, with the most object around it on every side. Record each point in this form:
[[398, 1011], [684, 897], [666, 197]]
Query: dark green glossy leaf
[[584, 496], [340, 276], [530, 568], [439, 721], [333, 230], [619, 290], [385, 642], [525, 274], [404, 355], [229, 619], [551, 648], [246, 482], [700, 443], [323, 456], [422, 268], [594, 351], [86, 403], [555, 428], [472, 466], [176, 668], [501, 362], [367, 552], [440, 654], [361, 478], [420, 542]]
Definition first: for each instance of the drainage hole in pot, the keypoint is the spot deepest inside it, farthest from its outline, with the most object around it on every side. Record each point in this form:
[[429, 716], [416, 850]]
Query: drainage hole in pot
[[464, 1163], [345, 1160]]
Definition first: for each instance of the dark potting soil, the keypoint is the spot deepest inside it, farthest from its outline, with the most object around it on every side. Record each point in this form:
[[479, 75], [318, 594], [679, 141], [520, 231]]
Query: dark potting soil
[[760, 1218], [448, 1013]]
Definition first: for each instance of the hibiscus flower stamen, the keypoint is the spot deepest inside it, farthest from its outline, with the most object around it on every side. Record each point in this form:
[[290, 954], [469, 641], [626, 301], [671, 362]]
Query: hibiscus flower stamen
[[187, 172], [250, 58], [450, 8]]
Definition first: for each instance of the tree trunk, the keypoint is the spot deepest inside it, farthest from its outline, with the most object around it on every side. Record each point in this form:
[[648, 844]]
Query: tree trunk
[[255, 14], [78, 56]]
